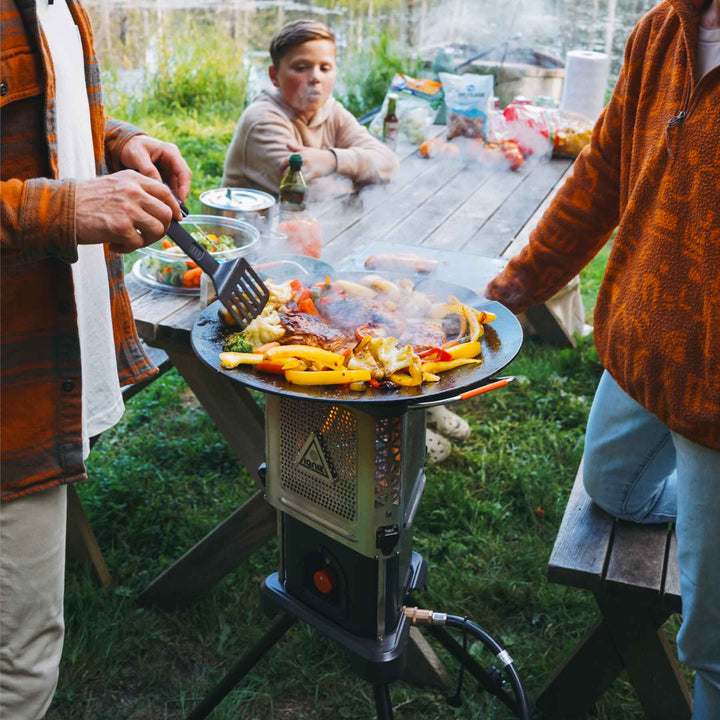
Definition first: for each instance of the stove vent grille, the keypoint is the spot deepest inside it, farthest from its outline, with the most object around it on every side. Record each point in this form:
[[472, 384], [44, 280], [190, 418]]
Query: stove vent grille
[[333, 487], [388, 461]]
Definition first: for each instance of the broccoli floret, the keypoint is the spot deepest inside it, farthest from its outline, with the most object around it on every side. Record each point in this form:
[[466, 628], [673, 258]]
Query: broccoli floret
[[236, 342]]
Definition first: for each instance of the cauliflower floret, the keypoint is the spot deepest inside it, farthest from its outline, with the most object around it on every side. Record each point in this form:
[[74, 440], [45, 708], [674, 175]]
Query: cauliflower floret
[[391, 357], [363, 360], [280, 294], [264, 329]]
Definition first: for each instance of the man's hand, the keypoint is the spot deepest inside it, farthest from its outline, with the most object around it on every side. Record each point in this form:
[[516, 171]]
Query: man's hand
[[316, 162], [126, 210], [158, 160]]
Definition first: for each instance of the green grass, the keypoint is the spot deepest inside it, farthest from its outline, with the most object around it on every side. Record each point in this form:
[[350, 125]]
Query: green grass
[[164, 477]]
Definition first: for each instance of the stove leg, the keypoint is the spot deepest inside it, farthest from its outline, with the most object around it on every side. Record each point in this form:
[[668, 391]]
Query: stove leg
[[382, 702], [243, 666]]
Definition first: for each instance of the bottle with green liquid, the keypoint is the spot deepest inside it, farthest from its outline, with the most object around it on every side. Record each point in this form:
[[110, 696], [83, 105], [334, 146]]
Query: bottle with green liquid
[[293, 188]]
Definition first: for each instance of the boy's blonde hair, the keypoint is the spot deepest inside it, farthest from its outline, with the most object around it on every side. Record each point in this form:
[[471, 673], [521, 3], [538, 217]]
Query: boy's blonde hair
[[296, 33]]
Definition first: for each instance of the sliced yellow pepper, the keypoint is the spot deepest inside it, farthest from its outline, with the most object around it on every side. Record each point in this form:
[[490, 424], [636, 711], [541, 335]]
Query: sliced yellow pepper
[[326, 377], [430, 377], [485, 317], [233, 359], [443, 365], [306, 352], [465, 350]]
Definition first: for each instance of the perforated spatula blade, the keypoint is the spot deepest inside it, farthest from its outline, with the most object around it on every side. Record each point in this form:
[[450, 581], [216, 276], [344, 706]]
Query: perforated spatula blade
[[238, 287]]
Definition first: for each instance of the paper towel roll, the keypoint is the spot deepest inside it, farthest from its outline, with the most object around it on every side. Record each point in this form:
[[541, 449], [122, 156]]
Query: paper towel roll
[[586, 78]]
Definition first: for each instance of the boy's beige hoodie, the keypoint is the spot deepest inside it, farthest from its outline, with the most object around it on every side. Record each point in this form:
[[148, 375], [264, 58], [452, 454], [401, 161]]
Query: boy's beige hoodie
[[259, 147]]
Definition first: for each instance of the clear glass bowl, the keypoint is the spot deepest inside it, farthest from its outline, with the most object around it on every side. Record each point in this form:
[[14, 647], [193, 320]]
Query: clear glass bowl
[[165, 269]]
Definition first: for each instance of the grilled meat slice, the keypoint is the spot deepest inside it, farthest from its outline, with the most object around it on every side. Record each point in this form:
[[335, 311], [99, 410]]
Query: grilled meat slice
[[422, 334], [351, 313], [304, 329]]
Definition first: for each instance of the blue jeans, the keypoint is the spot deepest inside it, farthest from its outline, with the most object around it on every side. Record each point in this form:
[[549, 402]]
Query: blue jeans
[[637, 469]]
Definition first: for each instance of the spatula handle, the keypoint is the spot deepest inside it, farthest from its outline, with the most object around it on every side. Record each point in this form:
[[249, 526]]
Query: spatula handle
[[193, 249]]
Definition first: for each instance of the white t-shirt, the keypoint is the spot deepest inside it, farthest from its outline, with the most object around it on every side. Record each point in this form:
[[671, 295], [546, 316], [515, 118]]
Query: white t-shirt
[[102, 403], [708, 50]]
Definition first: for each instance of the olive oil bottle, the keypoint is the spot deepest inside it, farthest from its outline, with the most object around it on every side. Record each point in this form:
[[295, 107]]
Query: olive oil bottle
[[293, 188]]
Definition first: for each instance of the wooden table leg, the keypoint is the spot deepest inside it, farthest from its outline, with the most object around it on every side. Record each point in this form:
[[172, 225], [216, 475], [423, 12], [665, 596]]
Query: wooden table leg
[[217, 554], [81, 544], [230, 406], [651, 665], [583, 676], [241, 422], [627, 636]]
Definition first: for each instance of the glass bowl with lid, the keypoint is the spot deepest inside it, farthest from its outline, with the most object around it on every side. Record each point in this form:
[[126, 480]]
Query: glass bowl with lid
[[164, 266]]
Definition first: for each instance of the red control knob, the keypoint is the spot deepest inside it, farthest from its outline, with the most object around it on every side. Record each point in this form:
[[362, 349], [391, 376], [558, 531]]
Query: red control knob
[[324, 580]]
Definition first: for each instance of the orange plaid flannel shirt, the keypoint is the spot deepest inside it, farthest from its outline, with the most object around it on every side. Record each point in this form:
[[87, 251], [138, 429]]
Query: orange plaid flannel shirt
[[40, 376], [652, 170]]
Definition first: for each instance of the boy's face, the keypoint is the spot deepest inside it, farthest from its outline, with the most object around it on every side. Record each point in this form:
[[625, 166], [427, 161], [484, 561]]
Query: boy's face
[[306, 76]]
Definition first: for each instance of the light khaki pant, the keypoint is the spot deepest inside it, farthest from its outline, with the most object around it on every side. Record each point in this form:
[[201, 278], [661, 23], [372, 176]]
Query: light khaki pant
[[32, 574]]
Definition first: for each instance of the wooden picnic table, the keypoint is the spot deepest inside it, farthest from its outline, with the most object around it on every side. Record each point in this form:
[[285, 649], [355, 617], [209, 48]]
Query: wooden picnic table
[[449, 209]]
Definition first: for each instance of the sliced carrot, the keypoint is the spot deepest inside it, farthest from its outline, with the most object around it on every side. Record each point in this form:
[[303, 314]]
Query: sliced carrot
[[191, 278], [167, 244]]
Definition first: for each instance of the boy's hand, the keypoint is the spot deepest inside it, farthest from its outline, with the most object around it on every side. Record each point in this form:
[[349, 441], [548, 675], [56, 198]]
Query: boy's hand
[[316, 162]]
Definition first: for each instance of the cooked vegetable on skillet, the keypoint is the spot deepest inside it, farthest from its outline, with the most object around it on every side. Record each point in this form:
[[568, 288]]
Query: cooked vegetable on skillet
[[374, 332]]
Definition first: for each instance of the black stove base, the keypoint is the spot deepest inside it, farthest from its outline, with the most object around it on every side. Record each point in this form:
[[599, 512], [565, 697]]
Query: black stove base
[[374, 662]]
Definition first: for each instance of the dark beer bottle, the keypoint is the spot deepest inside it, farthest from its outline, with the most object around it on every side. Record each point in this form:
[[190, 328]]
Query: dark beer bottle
[[390, 122]]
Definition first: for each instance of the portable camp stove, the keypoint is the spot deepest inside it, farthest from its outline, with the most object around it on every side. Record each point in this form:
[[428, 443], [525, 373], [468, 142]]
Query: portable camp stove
[[346, 473]]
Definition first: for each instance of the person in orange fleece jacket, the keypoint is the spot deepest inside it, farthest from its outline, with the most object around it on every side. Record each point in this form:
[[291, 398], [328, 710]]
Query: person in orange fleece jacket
[[652, 169]]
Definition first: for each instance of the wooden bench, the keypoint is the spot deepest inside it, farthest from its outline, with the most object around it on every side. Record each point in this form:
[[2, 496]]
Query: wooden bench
[[81, 544], [632, 570]]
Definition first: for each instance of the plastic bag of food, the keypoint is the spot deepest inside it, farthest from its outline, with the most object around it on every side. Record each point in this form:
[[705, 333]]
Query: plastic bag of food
[[418, 102], [544, 131], [468, 98]]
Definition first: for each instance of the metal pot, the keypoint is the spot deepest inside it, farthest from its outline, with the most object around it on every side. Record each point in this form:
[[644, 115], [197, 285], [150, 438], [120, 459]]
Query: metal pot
[[253, 206]]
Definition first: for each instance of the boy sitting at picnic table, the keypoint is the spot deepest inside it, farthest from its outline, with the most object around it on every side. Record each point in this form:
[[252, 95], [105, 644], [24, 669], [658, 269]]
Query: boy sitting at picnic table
[[299, 115]]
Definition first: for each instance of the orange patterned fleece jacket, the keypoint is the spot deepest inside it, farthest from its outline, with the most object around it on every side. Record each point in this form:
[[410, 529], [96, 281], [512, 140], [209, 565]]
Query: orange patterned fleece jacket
[[652, 170]]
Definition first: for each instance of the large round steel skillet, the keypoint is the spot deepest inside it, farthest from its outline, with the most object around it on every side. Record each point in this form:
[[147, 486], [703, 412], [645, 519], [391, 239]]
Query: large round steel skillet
[[500, 344]]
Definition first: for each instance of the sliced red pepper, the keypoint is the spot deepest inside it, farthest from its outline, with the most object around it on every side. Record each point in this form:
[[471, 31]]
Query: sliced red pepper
[[270, 367], [361, 331], [373, 382], [295, 285], [306, 305], [435, 353]]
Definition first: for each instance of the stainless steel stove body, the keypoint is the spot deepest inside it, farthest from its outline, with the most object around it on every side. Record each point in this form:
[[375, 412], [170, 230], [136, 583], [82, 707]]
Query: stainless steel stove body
[[347, 484]]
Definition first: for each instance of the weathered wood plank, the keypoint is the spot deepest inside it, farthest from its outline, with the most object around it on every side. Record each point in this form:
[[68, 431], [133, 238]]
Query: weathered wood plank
[[154, 308], [376, 224], [512, 215], [431, 214], [579, 554], [523, 237], [671, 589], [466, 221], [636, 564]]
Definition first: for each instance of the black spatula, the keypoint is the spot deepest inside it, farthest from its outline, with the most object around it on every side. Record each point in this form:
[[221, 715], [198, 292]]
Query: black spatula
[[238, 287]]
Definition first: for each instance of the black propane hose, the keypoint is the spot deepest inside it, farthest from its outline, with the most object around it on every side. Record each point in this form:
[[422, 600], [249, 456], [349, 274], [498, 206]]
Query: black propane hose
[[427, 617]]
